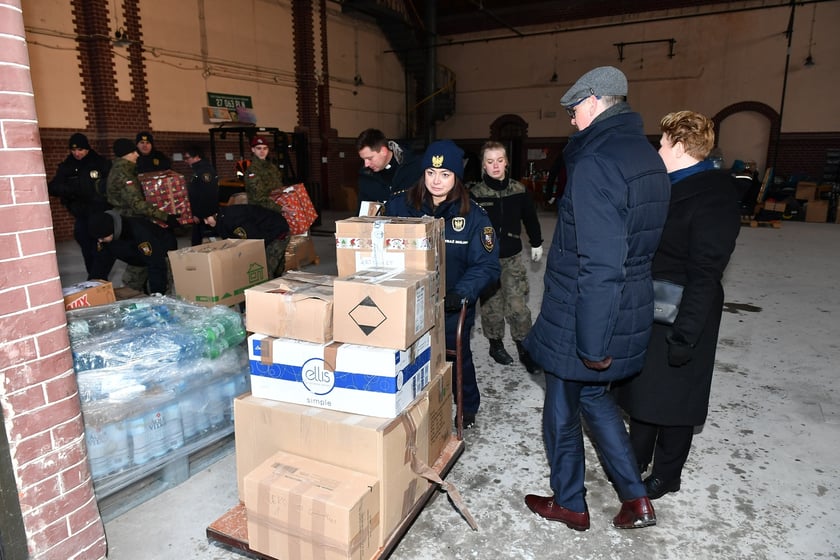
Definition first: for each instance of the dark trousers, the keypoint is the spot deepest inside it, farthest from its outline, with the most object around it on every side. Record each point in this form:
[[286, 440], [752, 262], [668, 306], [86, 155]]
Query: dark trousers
[[86, 242], [565, 403], [472, 398], [666, 446]]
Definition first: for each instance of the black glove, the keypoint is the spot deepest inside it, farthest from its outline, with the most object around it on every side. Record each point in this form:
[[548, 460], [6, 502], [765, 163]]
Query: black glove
[[679, 352], [172, 220], [453, 302]]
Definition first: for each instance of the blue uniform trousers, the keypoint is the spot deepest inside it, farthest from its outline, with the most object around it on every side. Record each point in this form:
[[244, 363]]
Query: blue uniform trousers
[[565, 402], [472, 398]]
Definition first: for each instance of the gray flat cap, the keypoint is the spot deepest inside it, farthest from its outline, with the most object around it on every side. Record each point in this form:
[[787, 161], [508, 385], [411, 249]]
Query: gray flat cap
[[604, 80]]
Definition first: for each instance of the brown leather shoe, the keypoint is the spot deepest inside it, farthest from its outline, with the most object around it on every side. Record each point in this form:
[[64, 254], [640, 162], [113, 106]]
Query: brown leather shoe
[[545, 507], [635, 514]]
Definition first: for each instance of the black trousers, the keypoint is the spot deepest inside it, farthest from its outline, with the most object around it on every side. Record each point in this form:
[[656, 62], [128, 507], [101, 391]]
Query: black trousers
[[666, 446]]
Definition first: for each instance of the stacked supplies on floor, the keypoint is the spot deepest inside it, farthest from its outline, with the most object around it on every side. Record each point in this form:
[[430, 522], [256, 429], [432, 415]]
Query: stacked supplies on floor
[[154, 373]]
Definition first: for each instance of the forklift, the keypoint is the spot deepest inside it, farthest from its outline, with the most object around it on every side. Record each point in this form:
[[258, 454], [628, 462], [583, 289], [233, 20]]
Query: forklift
[[289, 151]]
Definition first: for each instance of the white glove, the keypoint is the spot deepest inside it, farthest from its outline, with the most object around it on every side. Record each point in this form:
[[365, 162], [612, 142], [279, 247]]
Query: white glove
[[551, 201], [536, 253]]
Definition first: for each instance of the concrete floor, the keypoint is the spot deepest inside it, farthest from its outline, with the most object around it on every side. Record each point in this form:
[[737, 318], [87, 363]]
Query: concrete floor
[[761, 481]]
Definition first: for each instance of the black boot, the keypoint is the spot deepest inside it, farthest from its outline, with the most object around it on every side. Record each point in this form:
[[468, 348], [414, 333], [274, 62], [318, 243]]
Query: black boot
[[527, 361], [498, 352]]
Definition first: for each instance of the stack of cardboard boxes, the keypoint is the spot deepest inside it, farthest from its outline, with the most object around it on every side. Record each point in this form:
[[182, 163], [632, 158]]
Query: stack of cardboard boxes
[[351, 394], [816, 199]]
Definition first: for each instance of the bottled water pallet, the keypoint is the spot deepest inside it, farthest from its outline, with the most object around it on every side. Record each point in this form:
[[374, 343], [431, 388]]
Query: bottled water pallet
[[121, 492]]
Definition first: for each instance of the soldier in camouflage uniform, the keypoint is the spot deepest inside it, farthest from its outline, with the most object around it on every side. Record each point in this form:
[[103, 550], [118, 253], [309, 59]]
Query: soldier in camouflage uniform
[[126, 196], [509, 205], [262, 177]]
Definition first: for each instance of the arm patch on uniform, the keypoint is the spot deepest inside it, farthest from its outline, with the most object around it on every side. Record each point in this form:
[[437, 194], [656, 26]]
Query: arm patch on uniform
[[207, 177], [145, 248], [488, 239], [240, 233]]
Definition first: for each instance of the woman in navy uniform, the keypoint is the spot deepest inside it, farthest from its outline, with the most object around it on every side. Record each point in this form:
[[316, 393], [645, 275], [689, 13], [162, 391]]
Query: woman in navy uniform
[[472, 255]]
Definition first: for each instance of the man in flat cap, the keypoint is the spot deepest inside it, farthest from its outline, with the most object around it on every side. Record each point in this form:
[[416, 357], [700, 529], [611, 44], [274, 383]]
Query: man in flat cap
[[149, 158], [597, 312], [80, 183]]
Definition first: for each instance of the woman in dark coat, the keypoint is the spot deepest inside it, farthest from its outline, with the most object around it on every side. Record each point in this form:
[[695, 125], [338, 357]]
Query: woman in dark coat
[[671, 394]]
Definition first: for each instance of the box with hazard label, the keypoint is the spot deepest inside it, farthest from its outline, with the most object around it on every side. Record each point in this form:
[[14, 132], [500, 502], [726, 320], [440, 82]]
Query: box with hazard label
[[383, 307]]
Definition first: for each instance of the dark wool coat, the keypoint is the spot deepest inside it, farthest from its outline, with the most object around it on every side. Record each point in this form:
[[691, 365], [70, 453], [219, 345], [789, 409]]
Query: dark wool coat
[[598, 298], [698, 239]]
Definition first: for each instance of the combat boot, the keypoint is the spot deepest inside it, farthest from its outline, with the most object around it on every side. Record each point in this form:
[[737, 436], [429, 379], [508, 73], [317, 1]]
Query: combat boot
[[527, 361], [498, 352]]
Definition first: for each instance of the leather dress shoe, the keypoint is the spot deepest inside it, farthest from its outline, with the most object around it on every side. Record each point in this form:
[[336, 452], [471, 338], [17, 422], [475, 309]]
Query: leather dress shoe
[[657, 487], [545, 507], [498, 352], [635, 514]]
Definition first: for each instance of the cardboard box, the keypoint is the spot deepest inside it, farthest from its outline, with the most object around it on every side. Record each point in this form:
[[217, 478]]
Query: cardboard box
[[300, 252], [774, 206], [296, 305], [438, 334], [88, 294], [167, 191], [403, 243], [347, 377], [816, 211], [375, 446], [383, 307], [218, 273], [805, 190], [304, 509]]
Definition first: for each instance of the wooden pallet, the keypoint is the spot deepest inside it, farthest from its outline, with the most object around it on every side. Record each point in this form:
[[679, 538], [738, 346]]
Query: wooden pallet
[[231, 529], [776, 224], [120, 492]]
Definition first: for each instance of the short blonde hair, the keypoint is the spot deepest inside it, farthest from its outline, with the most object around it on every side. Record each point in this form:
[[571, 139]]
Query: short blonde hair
[[695, 131]]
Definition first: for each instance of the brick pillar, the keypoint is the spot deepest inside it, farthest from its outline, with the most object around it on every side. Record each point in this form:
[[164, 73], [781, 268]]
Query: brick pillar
[[39, 396]]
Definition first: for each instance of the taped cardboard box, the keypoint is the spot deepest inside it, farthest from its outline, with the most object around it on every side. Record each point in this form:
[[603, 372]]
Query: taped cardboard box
[[383, 307], [297, 305], [379, 447], [403, 243], [816, 211], [300, 252], [347, 377], [88, 294], [305, 509], [218, 273]]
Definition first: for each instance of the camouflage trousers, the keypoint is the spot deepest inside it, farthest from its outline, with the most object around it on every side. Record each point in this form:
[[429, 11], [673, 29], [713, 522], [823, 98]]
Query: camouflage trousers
[[137, 278], [509, 303], [275, 256]]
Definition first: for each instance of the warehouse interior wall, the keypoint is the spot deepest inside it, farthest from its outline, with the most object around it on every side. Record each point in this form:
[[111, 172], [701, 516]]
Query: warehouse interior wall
[[66, 72]]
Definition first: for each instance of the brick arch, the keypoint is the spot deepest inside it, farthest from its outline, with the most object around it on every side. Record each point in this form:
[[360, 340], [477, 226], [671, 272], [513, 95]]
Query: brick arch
[[512, 130], [756, 107]]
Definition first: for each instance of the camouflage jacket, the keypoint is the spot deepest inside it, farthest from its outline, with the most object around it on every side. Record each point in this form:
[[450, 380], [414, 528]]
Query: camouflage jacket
[[126, 194], [261, 178]]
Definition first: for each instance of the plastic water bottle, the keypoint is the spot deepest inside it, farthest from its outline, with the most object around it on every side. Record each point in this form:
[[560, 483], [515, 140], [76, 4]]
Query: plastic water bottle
[[140, 443], [107, 447], [156, 433], [194, 414], [173, 430]]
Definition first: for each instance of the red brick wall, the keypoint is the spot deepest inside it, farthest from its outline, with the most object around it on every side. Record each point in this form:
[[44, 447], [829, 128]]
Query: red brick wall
[[39, 395]]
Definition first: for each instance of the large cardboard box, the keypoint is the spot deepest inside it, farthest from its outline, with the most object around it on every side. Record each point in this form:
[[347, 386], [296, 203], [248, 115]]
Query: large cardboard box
[[300, 252], [806, 190], [404, 243], [88, 294], [379, 447], [347, 377], [296, 305], [304, 509], [816, 211], [383, 307], [218, 273]]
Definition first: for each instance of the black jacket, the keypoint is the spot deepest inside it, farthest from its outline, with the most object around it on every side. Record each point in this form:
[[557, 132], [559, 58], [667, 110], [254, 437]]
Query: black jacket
[[697, 241], [155, 161], [81, 184], [137, 242], [509, 205], [249, 221]]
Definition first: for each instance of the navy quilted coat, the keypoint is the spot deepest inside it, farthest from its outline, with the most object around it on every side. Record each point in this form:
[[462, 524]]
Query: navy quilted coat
[[598, 298]]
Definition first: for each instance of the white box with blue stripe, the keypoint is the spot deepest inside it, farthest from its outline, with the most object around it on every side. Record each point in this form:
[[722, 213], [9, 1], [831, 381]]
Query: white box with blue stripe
[[348, 377]]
